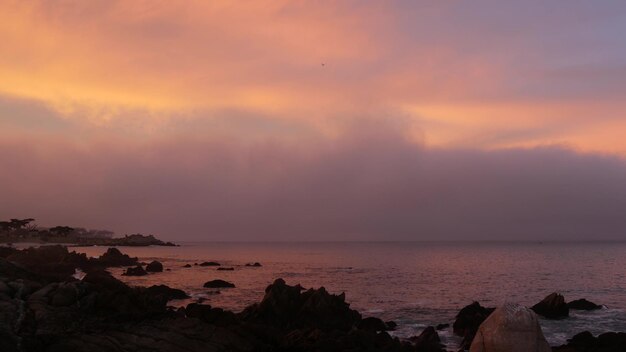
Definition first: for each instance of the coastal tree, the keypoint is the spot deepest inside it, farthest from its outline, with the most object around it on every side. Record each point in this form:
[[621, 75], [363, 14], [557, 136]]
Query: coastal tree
[[18, 224], [62, 231]]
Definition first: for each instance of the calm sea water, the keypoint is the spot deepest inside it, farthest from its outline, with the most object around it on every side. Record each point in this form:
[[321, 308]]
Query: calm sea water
[[414, 284]]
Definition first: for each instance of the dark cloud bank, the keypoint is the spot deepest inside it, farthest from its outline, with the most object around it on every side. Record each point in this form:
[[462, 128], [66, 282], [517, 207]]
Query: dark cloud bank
[[363, 186]]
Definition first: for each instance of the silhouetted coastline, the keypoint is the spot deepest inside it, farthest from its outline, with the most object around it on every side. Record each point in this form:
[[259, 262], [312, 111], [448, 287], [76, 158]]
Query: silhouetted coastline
[[47, 307]]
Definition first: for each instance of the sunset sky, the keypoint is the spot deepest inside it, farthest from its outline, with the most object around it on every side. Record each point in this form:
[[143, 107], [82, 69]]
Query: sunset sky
[[320, 120]]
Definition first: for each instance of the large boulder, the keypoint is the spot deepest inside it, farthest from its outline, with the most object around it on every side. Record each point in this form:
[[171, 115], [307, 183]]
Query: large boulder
[[468, 320], [510, 328], [552, 307]]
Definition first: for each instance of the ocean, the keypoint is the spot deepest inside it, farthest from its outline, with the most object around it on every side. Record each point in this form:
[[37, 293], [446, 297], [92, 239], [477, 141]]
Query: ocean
[[415, 284]]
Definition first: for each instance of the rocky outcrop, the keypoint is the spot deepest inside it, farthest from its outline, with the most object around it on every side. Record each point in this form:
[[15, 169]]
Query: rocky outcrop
[[468, 320], [113, 257], [255, 264], [586, 342], [52, 261], [218, 284], [289, 307], [552, 307], [510, 328], [583, 304], [101, 313], [154, 267], [209, 264]]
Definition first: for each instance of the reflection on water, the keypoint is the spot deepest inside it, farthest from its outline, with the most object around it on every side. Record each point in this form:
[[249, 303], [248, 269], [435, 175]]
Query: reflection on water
[[415, 284]]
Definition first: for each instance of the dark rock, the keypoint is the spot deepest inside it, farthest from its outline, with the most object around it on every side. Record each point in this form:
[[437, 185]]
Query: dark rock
[[218, 284], [209, 264], [552, 307], [391, 325], [215, 316], [166, 292], [113, 257], [255, 264], [468, 320], [154, 267], [288, 307], [52, 261], [428, 341], [586, 342], [65, 295], [372, 324], [583, 304], [442, 326], [225, 269], [136, 271], [187, 266]]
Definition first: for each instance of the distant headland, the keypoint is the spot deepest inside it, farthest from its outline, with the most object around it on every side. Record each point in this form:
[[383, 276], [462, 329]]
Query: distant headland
[[26, 231]]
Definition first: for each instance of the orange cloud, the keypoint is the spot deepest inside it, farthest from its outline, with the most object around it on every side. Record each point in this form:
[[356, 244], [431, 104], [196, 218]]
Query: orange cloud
[[459, 78]]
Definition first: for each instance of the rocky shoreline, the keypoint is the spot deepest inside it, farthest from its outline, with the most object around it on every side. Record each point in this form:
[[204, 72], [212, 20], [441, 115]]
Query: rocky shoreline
[[45, 306]]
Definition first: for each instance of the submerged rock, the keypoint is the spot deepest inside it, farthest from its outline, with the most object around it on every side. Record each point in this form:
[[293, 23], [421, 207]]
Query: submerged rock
[[154, 267], [225, 269], [510, 328], [187, 266], [209, 264], [583, 304], [218, 284], [552, 307], [255, 264]]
